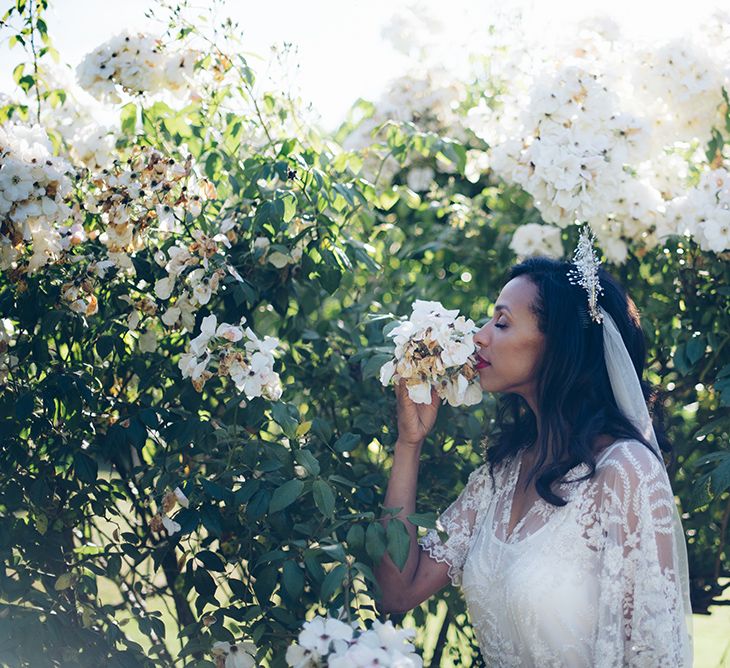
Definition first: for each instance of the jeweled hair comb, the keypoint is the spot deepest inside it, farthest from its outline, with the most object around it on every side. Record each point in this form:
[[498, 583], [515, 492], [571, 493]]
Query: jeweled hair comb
[[585, 271]]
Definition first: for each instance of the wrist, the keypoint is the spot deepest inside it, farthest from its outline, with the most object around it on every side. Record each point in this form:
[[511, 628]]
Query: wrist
[[404, 444]]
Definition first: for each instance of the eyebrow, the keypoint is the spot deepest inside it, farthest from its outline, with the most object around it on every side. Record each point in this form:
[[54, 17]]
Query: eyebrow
[[502, 307]]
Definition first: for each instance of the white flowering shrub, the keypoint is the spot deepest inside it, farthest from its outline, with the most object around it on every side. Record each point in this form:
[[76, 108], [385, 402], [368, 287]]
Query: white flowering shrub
[[135, 64], [329, 642], [166, 286], [595, 131], [34, 186], [195, 433]]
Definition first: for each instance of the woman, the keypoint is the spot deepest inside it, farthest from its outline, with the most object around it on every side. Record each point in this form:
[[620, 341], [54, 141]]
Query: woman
[[566, 543]]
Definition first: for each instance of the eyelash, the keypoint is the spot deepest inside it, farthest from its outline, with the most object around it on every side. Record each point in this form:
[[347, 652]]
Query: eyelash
[[496, 324]]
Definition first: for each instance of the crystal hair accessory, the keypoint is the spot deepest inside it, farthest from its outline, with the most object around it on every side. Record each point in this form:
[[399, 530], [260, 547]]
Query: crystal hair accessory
[[585, 272]]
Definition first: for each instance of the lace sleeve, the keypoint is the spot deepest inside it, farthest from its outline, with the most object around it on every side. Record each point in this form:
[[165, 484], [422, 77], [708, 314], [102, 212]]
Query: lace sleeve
[[644, 616], [458, 522]]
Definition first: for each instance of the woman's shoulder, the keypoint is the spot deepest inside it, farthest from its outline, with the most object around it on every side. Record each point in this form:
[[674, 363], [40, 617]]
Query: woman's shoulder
[[628, 460], [489, 475]]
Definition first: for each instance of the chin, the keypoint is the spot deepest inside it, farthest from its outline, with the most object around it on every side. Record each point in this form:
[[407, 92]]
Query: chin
[[489, 387]]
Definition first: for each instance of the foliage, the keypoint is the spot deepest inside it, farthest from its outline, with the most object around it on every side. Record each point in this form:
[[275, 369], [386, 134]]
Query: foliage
[[98, 424]]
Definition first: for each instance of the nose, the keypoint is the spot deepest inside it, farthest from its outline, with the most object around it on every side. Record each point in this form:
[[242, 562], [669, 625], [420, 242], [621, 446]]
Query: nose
[[481, 337]]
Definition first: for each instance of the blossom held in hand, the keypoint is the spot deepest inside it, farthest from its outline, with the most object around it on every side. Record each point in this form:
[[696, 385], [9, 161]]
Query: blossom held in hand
[[434, 348]]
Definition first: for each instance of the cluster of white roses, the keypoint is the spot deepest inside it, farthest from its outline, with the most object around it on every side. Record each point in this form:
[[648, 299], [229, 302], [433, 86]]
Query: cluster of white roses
[[704, 211], [192, 276], [535, 239], [85, 126], [434, 348], [598, 130], [136, 63], [148, 190], [251, 368], [331, 643], [679, 86], [34, 185]]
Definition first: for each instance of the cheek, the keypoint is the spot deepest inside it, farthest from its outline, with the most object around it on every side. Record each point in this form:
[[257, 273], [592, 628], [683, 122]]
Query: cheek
[[523, 356]]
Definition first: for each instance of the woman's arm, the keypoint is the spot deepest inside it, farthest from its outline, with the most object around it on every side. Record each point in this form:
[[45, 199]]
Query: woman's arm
[[421, 576]]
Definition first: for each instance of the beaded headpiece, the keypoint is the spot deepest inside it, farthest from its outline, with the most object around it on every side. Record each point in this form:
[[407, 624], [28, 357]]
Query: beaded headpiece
[[585, 271]]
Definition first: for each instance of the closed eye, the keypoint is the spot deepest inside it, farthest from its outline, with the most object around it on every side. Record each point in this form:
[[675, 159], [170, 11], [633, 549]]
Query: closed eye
[[496, 324]]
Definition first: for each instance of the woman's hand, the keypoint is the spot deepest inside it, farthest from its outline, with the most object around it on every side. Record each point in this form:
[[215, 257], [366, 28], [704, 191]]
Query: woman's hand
[[415, 421]]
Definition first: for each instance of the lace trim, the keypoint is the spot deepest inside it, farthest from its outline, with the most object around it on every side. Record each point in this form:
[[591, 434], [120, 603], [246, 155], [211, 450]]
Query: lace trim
[[458, 522], [438, 551]]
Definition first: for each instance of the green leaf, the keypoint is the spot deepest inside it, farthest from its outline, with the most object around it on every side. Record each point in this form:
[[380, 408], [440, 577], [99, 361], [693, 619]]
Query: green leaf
[[177, 125], [426, 520], [371, 368], [214, 490], [375, 541], [324, 498], [329, 279], [347, 442], [721, 475], [398, 542], [211, 560], [355, 537], [85, 467], [292, 579], [290, 207], [64, 582], [281, 412], [332, 581], [322, 429], [285, 495], [722, 385], [104, 345], [204, 583], [695, 349], [24, 406], [18, 72], [308, 461], [265, 583], [129, 118], [26, 82], [680, 360]]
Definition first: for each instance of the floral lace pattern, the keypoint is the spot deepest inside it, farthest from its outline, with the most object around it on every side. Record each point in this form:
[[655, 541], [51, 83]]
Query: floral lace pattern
[[591, 583]]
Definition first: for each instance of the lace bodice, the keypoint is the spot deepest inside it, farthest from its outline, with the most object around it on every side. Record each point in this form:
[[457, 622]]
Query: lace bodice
[[592, 583]]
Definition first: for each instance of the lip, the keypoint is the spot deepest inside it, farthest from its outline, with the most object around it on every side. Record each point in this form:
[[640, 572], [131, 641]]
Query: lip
[[481, 362]]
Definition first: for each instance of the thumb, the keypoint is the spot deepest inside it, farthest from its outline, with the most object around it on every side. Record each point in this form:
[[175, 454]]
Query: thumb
[[434, 397]]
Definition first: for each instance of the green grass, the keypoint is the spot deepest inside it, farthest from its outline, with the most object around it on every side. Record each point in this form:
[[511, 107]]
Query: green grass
[[712, 637]]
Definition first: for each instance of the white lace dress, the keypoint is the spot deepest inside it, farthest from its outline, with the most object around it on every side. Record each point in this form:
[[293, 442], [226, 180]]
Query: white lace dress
[[591, 583]]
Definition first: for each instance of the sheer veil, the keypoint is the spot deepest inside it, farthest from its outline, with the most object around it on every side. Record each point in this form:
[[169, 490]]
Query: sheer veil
[[630, 400]]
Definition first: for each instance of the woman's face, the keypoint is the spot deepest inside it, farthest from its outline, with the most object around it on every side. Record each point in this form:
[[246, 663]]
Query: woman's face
[[511, 342]]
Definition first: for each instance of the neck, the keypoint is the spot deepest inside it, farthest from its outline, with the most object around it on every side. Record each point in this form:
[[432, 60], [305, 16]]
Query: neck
[[532, 403]]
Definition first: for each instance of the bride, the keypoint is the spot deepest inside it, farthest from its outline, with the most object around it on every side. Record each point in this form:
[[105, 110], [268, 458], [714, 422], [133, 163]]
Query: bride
[[566, 543]]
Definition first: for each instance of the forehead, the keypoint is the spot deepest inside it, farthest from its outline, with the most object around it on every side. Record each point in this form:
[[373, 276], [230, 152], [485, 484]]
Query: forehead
[[518, 295]]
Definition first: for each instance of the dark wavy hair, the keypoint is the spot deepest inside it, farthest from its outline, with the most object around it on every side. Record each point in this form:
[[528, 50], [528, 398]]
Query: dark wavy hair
[[574, 394]]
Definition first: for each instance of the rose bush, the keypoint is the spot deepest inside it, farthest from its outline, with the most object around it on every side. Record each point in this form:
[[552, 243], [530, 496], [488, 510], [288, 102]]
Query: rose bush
[[194, 302]]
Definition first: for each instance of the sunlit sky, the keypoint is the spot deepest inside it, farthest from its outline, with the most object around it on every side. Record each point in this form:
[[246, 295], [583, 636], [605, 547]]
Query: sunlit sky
[[341, 52]]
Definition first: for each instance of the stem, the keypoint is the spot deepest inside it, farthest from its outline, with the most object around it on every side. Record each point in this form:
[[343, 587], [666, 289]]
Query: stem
[[382, 164], [346, 589], [35, 59], [723, 538], [248, 88]]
